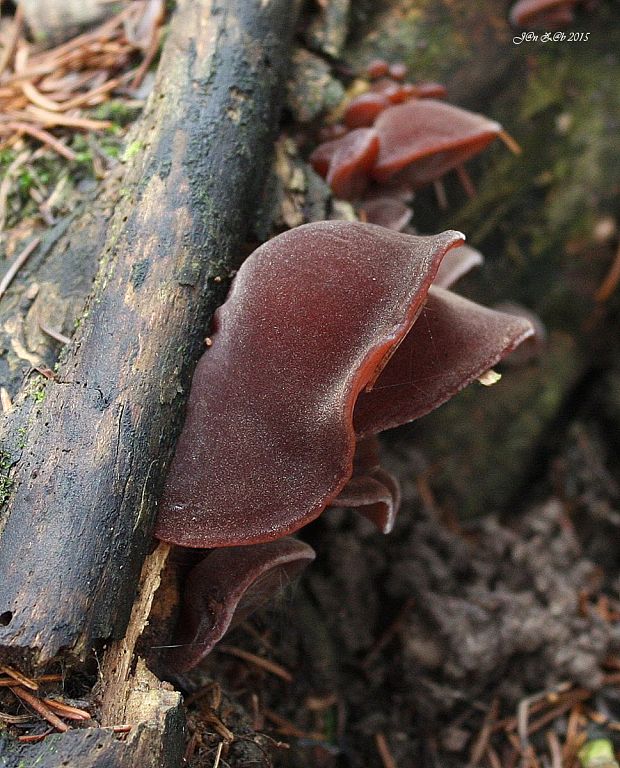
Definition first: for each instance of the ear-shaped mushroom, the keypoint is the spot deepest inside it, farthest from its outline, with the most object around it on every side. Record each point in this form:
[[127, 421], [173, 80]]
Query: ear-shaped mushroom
[[364, 109], [455, 264], [422, 139], [430, 90], [527, 13], [371, 489], [346, 162], [453, 342], [312, 318], [226, 587], [387, 212]]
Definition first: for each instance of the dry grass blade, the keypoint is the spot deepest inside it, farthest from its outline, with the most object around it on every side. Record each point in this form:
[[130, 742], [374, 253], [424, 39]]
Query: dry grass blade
[[5, 717], [9, 50], [45, 89], [43, 136]]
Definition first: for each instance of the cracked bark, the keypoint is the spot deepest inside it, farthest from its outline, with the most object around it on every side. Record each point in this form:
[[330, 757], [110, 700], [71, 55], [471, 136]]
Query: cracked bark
[[89, 455]]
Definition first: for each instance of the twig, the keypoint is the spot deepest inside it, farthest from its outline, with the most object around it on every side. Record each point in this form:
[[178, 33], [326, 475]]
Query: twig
[[17, 264], [33, 738], [387, 635], [580, 694], [384, 751], [57, 335], [612, 278], [554, 749], [258, 661], [218, 754], [482, 742], [40, 708], [286, 728]]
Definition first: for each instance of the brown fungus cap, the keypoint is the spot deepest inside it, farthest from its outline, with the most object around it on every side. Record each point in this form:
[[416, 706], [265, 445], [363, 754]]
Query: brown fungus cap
[[346, 162], [312, 317], [423, 138], [541, 12], [453, 342], [226, 587]]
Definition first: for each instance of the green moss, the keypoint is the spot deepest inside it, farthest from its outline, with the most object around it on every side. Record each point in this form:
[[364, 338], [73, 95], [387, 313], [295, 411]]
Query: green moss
[[117, 112], [6, 482], [21, 433], [132, 149]]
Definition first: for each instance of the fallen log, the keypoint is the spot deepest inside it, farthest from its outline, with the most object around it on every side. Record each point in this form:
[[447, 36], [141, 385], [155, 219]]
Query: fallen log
[[87, 468]]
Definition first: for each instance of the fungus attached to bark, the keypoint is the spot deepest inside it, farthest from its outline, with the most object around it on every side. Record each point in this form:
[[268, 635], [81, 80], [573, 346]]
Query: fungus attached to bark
[[226, 587], [327, 336]]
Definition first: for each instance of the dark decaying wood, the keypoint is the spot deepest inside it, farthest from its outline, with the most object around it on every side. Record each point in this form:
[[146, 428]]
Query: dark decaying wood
[[89, 466], [157, 742]]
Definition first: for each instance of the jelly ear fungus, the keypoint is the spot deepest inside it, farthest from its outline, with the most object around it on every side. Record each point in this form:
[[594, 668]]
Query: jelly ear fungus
[[332, 333]]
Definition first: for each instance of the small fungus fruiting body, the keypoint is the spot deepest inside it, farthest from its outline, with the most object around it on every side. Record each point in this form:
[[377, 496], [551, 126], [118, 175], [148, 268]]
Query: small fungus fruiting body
[[364, 109], [423, 139], [331, 332], [226, 587], [401, 132], [467, 340], [346, 162], [377, 68], [534, 13], [389, 212]]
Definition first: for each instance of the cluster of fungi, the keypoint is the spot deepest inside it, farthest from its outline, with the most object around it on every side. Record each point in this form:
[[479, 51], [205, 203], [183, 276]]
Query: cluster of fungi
[[332, 333], [396, 137]]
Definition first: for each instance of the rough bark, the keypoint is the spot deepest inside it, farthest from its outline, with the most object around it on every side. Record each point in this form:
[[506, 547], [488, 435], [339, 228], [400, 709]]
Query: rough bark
[[158, 741], [88, 470]]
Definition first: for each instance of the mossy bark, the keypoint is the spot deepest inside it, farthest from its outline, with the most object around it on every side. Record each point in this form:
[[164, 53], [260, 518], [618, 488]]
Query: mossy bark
[[87, 469]]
